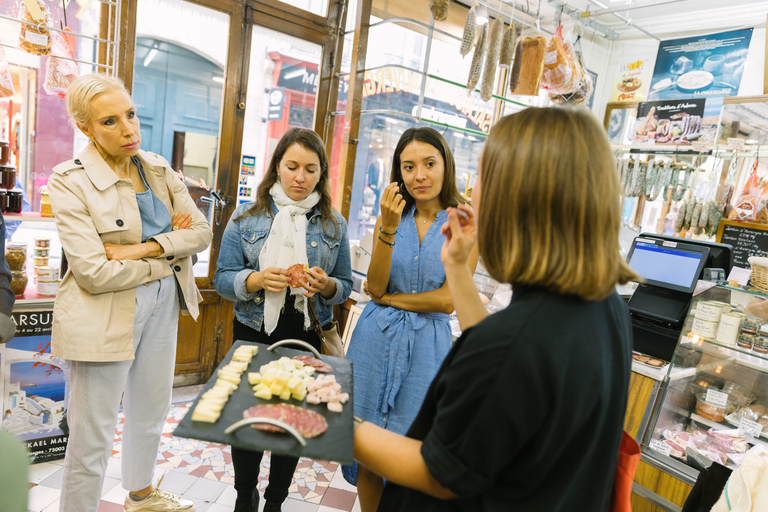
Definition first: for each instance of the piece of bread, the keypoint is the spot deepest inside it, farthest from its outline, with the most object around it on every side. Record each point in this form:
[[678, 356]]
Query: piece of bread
[[531, 66]]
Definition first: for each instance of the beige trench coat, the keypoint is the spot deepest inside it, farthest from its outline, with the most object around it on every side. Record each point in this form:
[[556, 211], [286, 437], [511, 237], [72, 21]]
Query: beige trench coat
[[94, 308]]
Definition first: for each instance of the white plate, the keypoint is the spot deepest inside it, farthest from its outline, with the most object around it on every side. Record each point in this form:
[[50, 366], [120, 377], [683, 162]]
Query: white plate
[[695, 80]]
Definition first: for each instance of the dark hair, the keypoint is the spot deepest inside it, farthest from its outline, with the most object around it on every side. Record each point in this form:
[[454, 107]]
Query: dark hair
[[308, 140], [449, 194]]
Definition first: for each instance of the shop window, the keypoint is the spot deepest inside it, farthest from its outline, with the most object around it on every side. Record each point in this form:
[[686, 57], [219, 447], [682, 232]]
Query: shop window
[[179, 70], [282, 90], [33, 114]]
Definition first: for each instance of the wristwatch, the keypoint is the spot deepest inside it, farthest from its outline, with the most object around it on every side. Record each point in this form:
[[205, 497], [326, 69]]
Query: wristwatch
[[357, 421]]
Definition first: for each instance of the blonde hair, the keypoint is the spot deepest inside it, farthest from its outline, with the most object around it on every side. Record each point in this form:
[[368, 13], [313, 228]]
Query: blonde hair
[[87, 88], [550, 214]]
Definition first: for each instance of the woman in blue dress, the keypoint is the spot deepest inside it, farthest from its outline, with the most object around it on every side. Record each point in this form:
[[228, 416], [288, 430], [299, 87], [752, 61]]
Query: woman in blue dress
[[403, 334]]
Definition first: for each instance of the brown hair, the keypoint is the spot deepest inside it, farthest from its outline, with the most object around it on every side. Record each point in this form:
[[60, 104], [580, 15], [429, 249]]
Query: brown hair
[[549, 212], [308, 140], [449, 194]]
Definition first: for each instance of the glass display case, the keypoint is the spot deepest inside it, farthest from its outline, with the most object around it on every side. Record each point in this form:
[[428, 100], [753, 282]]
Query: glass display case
[[714, 406]]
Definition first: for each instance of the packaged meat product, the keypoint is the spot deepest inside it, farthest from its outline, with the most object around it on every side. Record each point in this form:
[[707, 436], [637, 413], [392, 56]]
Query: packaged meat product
[[439, 9], [514, 78], [492, 59], [60, 73], [508, 47], [583, 91], [531, 66], [35, 39], [745, 206], [308, 423], [476, 68], [470, 31], [561, 74], [6, 80], [675, 449]]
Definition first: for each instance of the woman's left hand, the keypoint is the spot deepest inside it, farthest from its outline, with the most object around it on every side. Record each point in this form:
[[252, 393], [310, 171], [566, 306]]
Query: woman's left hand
[[182, 221], [316, 281]]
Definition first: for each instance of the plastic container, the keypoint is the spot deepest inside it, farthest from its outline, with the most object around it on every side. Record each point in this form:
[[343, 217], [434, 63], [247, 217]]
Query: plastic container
[[40, 253], [43, 242], [710, 411], [47, 273], [16, 255], [740, 396], [19, 282], [47, 288], [40, 261]]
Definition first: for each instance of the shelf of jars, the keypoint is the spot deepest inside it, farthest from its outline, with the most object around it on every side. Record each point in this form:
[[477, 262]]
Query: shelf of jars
[[33, 280]]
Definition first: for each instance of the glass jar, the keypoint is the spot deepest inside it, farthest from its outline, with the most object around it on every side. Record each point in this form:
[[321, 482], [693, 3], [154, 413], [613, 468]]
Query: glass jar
[[761, 344], [7, 176], [747, 340], [751, 325], [13, 201], [16, 255], [19, 282]]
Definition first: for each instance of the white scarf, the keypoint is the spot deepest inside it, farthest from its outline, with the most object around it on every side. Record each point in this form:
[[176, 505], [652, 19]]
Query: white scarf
[[286, 245]]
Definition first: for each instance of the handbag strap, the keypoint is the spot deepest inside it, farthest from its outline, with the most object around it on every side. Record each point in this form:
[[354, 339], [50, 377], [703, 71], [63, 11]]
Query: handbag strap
[[315, 320]]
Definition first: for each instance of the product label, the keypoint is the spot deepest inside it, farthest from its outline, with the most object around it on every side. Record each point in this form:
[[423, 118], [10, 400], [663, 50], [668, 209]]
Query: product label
[[670, 244], [550, 58], [660, 446], [749, 427], [699, 146], [35, 38], [736, 143], [717, 398]]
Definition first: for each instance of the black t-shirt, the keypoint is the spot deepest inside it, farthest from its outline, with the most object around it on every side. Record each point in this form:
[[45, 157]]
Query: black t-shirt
[[527, 411]]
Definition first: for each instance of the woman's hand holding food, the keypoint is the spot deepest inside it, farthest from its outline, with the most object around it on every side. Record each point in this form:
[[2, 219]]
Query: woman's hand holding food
[[317, 281], [272, 279], [392, 204], [460, 235]]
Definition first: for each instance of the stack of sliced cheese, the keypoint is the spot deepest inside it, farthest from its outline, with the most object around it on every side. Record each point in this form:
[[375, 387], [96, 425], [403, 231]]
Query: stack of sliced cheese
[[285, 378], [208, 409]]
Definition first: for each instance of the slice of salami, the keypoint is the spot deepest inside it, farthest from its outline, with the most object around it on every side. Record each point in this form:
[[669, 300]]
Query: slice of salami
[[308, 423], [298, 275], [318, 365]]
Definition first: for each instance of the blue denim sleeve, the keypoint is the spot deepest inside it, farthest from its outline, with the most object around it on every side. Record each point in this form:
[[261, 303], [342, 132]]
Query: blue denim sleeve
[[342, 271], [231, 268]]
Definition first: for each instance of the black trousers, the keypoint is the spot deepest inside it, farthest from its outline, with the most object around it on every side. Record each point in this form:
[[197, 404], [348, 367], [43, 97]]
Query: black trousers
[[247, 462]]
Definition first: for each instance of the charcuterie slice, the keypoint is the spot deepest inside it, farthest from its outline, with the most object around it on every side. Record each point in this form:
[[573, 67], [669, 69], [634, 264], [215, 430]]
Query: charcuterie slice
[[308, 423], [318, 365], [298, 274]]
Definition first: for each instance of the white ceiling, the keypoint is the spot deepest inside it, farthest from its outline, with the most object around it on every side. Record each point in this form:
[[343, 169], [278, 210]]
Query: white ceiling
[[663, 19]]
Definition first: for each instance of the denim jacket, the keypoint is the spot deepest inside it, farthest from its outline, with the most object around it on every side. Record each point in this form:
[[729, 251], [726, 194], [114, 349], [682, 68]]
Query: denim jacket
[[239, 257]]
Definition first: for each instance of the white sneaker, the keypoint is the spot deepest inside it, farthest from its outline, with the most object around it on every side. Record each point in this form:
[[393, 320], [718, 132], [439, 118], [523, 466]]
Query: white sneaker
[[159, 501]]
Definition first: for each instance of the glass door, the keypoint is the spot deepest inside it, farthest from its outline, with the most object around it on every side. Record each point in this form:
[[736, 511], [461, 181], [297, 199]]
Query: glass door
[[282, 92]]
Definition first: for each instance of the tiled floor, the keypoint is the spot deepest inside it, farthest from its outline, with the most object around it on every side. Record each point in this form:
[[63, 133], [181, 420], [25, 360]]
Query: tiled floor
[[202, 472]]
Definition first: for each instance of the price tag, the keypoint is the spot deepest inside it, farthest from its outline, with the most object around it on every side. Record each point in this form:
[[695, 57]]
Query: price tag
[[736, 143], [660, 446], [717, 398], [699, 146], [34, 10], [750, 427]]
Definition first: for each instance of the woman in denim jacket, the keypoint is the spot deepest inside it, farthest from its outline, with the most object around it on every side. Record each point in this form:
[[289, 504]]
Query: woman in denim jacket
[[292, 221]]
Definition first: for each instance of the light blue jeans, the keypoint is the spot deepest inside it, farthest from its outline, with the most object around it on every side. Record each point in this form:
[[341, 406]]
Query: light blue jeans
[[144, 384]]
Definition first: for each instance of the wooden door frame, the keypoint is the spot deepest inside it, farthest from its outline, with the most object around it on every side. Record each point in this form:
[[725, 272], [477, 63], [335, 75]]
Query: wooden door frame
[[213, 329]]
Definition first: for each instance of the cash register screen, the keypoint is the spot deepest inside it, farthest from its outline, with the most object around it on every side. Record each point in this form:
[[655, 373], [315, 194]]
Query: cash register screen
[[676, 266]]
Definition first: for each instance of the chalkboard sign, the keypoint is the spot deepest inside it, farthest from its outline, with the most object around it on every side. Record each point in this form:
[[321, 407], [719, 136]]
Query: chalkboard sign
[[747, 238]]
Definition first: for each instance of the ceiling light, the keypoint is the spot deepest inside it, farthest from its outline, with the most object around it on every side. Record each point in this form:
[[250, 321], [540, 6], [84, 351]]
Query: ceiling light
[[752, 141], [459, 135], [381, 146], [219, 79], [150, 56], [390, 120], [378, 140]]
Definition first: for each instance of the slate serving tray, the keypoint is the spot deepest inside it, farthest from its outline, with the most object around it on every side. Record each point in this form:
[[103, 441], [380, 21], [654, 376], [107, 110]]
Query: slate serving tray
[[333, 445]]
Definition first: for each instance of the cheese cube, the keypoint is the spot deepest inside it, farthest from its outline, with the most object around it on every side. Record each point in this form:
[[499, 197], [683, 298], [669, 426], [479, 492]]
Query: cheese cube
[[276, 388], [282, 377], [293, 382], [300, 393], [264, 393], [286, 394], [308, 370], [204, 415], [254, 378]]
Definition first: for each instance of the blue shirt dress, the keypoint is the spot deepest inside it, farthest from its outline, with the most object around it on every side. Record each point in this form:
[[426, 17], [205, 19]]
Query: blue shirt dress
[[397, 353]]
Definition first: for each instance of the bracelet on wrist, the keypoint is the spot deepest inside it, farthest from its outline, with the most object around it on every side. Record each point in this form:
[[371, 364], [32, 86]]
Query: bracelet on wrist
[[357, 421], [389, 302], [387, 232], [391, 244]]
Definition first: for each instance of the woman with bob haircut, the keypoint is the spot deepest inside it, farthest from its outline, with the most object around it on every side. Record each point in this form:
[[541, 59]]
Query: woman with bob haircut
[[129, 229], [291, 222], [404, 334], [527, 411]]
